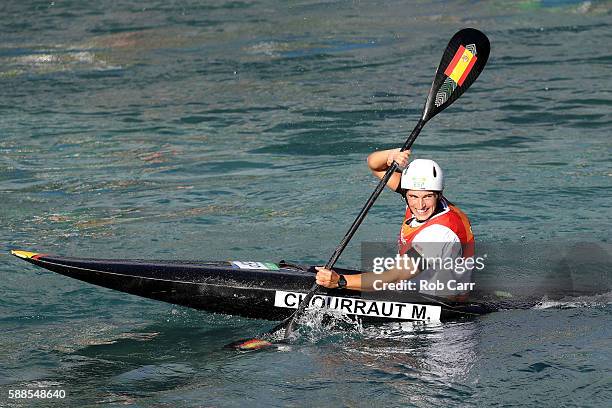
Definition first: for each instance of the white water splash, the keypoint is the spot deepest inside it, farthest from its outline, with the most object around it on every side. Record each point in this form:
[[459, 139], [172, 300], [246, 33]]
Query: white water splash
[[316, 325], [576, 302]]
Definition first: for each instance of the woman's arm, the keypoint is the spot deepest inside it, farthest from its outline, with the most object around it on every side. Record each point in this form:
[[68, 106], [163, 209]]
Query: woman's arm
[[380, 161], [328, 278]]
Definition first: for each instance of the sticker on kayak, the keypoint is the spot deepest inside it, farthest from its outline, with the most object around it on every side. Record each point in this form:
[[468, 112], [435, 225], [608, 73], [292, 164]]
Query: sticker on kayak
[[362, 307], [262, 266]]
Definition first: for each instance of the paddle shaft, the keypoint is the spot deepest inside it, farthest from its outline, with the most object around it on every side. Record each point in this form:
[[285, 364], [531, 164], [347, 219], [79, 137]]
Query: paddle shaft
[[349, 234], [379, 188]]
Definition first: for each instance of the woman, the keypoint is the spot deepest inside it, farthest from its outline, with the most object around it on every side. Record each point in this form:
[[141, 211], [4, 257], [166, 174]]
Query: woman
[[435, 235]]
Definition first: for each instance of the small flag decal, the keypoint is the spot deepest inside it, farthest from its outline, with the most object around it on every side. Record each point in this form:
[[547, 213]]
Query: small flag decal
[[461, 65]]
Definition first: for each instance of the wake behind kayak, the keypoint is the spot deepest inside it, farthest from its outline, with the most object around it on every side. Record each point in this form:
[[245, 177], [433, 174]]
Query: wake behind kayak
[[261, 290]]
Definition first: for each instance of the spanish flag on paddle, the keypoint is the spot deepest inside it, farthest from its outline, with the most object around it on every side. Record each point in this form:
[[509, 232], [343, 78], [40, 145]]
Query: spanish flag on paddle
[[461, 65]]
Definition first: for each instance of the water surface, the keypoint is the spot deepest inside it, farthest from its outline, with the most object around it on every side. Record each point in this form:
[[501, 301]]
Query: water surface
[[239, 130]]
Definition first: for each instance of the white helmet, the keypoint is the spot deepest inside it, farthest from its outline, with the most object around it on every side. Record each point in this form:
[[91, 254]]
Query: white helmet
[[423, 174]]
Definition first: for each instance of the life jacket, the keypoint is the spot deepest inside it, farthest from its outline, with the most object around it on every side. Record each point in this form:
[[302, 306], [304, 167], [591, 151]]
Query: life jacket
[[450, 216]]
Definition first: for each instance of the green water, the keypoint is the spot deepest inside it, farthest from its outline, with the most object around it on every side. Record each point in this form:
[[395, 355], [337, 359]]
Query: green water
[[239, 130]]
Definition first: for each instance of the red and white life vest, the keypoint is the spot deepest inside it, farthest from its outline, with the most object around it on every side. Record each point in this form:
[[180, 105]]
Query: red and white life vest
[[450, 217]]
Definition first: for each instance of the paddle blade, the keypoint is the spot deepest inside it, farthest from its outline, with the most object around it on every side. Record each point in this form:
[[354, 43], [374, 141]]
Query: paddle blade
[[249, 344], [463, 60]]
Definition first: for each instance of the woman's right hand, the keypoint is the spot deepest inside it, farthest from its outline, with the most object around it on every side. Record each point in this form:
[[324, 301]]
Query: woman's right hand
[[328, 278], [401, 158]]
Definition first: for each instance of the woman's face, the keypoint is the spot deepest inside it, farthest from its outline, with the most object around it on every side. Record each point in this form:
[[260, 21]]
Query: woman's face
[[422, 203]]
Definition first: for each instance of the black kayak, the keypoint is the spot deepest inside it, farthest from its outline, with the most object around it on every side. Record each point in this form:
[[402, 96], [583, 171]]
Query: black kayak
[[260, 290]]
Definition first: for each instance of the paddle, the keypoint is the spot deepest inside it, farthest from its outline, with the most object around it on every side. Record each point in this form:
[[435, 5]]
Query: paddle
[[463, 60]]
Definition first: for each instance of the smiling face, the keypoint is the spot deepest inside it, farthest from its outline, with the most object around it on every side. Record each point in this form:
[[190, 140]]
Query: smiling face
[[422, 203]]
